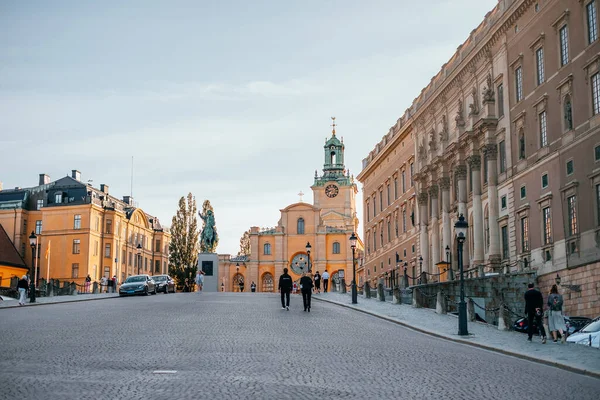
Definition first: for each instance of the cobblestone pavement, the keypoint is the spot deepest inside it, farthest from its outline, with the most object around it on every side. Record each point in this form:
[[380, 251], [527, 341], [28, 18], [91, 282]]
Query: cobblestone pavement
[[582, 358], [244, 346]]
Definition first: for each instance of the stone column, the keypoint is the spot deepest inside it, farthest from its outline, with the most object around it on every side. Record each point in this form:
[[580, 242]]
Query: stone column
[[491, 151], [446, 230], [475, 163], [435, 235], [424, 238]]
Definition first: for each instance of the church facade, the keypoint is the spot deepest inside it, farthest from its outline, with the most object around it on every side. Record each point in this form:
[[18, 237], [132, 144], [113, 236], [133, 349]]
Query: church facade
[[323, 227]]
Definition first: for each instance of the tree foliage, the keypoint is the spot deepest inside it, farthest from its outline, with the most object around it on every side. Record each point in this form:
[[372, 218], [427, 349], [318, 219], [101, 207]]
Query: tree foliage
[[183, 248], [245, 244]]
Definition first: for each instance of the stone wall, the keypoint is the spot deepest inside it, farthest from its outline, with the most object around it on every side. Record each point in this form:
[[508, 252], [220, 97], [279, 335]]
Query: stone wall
[[580, 288]]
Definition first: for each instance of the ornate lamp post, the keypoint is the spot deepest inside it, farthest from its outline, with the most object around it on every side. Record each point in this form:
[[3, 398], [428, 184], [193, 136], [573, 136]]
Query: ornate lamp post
[[451, 276], [139, 256], [353, 240], [461, 227], [308, 247], [33, 242]]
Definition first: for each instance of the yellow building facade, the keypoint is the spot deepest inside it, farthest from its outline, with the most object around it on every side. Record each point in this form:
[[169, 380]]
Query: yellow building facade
[[326, 225], [83, 230]]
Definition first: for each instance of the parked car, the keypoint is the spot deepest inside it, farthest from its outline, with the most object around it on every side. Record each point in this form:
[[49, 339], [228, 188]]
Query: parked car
[[589, 335], [164, 283], [137, 284], [574, 324]]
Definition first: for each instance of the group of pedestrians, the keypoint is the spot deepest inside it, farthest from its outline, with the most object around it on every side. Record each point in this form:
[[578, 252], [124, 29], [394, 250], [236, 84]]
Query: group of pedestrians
[[107, 285], [308, 284], [550, 320]]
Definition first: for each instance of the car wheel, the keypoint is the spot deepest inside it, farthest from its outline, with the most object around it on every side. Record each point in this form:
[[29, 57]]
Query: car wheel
[[154, 290], [167, 289]]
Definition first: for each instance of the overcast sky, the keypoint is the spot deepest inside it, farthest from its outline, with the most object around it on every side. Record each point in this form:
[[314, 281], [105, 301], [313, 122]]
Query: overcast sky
[[229, 100]]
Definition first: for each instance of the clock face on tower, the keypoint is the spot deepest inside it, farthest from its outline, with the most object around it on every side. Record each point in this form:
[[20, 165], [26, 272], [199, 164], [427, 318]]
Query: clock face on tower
[[300, 263], [331, 191]]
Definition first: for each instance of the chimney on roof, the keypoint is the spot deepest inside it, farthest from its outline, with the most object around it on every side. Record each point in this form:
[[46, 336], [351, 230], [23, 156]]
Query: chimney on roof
[[76, 175], [44, 179], [128, 200], [104, 188]]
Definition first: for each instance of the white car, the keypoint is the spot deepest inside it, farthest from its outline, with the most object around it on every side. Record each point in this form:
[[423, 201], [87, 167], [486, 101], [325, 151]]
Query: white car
[[587, 334]]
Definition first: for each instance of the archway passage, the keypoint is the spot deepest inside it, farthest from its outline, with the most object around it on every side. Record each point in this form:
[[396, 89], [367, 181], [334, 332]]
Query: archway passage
[[267, 283], [237, 282]]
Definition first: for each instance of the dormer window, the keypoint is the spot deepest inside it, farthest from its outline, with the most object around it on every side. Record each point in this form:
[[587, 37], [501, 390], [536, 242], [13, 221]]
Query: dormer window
[[58, 198]]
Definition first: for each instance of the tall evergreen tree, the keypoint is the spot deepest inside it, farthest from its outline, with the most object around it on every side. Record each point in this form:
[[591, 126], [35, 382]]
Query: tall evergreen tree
[[183, 249], [245, 244]]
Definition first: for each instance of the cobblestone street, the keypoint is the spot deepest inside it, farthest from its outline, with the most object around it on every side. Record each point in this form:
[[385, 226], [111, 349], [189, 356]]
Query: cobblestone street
[[243, 346]]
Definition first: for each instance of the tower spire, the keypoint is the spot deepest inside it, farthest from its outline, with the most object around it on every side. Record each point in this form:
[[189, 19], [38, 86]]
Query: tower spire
[[333, 125]]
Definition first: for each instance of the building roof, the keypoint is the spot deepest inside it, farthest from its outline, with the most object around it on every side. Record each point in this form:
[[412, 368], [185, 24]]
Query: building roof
[[9, 255]]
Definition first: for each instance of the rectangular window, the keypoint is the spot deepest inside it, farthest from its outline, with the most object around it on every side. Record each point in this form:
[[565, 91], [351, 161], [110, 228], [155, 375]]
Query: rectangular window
[[543, 131], [597, 153], [500, 91], [411, 174], [544, 181], [107, 250], [592, 22], [596, 93], [123, 256], [403, 220], [572, 204], [157, 248], [502, 158], [524, 234], [109, 226], [523, 192], [570, 167], [395, 188], [504, 231], [388, 195], [40, 204], [38, 227], [403, 181], [539, 65], [130, 261], [381, 200], [519, 84], [368, 212], [547, 221], [58, 198], [503, 203], [76, 246], [77, 221], [75, 270], [563, 37]]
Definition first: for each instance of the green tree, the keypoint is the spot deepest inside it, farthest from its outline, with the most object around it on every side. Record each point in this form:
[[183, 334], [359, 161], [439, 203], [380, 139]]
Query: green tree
[[183, 248], [245, 244]]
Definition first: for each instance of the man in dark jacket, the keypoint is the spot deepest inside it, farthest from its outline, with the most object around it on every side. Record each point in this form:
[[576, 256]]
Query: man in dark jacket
[[285, 287], [306, 285], [534, 309]]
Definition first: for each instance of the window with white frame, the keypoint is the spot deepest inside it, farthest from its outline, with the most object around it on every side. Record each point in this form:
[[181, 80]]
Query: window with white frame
[[543, 129], [547, 225], [592, 21], [539, 65], [107, 250], [596, 93], [570, 167], [77, 221], [40, 204], [58, 198], [300, 226], [544, 181], [563, 38], [336, 248], [523, 192], [572, 212], [519, 84], [76, 246], [38, 227]]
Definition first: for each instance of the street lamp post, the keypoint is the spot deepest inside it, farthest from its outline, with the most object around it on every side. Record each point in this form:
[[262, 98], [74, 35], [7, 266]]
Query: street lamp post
[[353, 240], [139, 256], [451, 277], [308, 247], [461, 227], [405, 284], [33, 242], [421, 275]]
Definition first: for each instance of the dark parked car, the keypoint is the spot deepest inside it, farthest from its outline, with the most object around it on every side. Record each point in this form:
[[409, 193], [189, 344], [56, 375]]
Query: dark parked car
[[164, 283], [137, 284], [574, 324]]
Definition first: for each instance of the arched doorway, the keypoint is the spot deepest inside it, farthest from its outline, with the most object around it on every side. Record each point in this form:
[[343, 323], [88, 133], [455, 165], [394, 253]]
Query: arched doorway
[[238, 283], [333, 282], [267, 283]]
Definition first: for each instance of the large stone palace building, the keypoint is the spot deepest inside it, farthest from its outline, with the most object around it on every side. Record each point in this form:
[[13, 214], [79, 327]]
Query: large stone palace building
[[506, 134], [82, 230], [326, 225]]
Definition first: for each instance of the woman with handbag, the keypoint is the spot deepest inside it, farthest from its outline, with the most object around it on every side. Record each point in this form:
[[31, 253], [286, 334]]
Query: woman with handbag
[[556, 321]]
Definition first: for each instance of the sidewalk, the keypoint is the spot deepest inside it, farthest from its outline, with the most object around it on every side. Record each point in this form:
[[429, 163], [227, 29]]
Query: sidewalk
[[577, 358], [9, 302]]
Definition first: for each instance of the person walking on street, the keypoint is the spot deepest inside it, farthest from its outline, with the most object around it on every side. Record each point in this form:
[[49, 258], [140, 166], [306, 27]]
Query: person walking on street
[[199, 281], [556, 321], [103, 283], [318, 282], [253, 287], [23, 285], [325, 277], [285, 287], [306, 286], [114, 279], [534, 308], [109, 285], [88, 282]]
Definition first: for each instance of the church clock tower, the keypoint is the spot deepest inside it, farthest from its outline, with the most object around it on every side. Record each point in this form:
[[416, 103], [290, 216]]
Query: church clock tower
[[335, 191]]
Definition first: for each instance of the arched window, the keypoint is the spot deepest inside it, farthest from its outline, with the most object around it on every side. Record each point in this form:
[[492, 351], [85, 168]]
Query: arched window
[[568, 113], [300, 226], [267, 283], [333, 160], [267, 249], [336, 248]]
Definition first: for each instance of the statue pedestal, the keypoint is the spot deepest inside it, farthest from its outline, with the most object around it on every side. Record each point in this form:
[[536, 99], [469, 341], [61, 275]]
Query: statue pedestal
[[209, 263]]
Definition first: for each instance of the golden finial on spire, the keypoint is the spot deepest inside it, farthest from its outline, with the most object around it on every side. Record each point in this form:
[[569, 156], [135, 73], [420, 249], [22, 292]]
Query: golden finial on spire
[[333, 131]]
